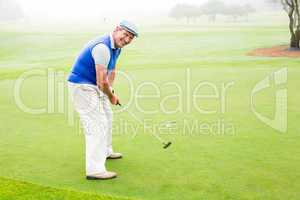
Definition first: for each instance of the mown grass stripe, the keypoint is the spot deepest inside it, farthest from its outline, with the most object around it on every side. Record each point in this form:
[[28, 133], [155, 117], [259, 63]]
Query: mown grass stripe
[[16, 190]]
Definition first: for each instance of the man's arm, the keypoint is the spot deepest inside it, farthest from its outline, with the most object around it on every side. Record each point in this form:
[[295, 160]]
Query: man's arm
[[111, 77], [102, 80], [101, 57]]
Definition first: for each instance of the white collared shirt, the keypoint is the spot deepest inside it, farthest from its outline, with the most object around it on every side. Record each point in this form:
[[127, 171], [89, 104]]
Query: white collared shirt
[[112, 43]]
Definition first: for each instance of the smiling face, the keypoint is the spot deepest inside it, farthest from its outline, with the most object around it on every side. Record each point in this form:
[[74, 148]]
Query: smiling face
[[122, 37]]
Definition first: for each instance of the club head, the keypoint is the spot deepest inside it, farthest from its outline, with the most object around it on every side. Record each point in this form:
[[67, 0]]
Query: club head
[[166, 145], [118, 104]]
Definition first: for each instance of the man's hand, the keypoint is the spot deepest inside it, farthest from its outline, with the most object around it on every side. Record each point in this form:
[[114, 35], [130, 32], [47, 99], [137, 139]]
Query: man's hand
[[114, 100], [103, 84], [118, 102]]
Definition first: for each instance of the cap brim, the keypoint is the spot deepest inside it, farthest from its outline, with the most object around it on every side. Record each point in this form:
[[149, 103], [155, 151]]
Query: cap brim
[[130, 30]]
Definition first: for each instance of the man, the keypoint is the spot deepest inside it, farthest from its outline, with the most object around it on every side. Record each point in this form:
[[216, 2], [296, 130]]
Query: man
[[90, 85]]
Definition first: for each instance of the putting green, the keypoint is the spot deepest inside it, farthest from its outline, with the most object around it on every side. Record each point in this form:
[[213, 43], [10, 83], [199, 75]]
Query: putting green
[[220, 149]]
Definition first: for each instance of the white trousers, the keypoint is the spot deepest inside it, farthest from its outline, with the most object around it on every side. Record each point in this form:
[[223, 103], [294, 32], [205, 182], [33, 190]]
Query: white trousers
[[96, 116]]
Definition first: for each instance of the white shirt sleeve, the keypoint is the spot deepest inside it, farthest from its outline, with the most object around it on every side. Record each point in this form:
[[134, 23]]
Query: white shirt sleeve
[[101, 54]]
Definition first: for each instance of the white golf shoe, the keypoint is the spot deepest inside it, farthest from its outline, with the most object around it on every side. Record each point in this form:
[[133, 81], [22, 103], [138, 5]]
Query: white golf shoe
[[114, 156], [102, 176]]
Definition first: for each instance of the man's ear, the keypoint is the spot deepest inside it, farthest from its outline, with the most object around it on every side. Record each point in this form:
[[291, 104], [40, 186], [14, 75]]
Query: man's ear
[[118, 28]]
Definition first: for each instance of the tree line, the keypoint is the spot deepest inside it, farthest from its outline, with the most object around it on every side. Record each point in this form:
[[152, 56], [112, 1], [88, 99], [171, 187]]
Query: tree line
[[211, 9]]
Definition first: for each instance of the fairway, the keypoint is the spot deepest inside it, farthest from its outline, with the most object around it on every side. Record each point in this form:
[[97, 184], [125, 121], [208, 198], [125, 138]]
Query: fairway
[[220, 150]]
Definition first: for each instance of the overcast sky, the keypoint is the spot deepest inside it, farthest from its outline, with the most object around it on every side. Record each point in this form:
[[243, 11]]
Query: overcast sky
[[57, 9], [74, 9]]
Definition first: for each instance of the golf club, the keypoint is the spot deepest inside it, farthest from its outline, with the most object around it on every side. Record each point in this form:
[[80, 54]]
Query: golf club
[[164, 143], [118, 103]]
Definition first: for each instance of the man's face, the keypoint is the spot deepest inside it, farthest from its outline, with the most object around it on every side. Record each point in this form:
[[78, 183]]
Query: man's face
[[122, 37]]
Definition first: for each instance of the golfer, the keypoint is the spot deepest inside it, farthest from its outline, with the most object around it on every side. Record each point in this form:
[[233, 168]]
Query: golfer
[[90, 85]]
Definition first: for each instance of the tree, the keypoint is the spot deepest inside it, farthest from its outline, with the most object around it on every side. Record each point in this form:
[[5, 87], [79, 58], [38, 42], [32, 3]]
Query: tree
[[212, 8], [292, 9], [186, 11], [237, 11], [10, 10]]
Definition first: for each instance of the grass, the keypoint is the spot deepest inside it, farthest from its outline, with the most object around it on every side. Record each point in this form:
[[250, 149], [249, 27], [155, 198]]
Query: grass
[[12, 189], [248, 160]]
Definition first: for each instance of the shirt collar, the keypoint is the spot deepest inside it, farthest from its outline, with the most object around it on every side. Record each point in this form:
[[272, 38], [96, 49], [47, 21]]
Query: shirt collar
[[112, 43]]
